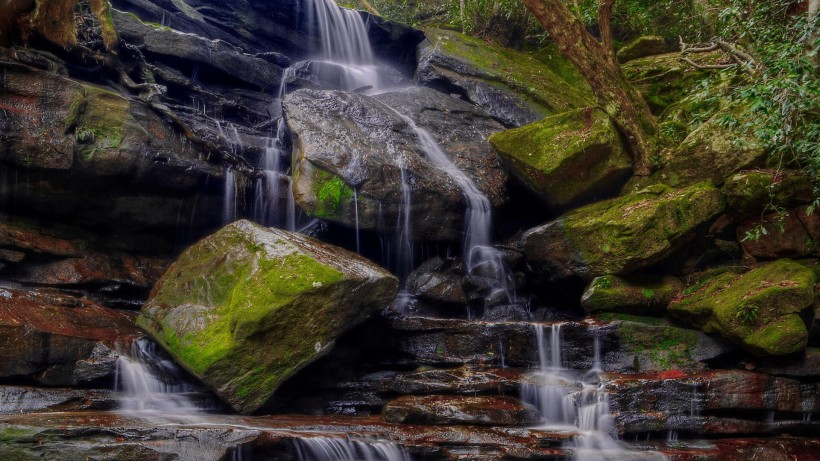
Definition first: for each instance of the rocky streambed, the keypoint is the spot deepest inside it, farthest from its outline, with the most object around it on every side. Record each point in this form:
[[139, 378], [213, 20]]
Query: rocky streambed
[[468, 270]]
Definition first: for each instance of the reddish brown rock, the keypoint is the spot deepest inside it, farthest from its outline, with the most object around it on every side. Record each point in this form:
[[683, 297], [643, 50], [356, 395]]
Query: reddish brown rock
[[790, 235], [59, 340], [436, 409]]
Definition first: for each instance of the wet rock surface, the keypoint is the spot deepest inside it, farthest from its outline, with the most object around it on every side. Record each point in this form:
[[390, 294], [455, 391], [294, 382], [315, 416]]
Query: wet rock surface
[[380, 165], [54, 339], [491, 411]]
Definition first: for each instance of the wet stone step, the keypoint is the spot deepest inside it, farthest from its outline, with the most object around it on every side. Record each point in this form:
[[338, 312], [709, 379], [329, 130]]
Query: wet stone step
[[635, 344], [482, 410], [21, 399], [462, 380]]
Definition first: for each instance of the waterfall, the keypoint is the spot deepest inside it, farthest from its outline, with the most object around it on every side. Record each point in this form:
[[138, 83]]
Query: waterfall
[[565, 402], [339, 449], [342, 32], [477, 242], [147, 383]]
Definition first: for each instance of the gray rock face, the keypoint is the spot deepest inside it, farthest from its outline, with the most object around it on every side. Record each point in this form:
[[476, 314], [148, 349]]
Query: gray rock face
[[352, 150]]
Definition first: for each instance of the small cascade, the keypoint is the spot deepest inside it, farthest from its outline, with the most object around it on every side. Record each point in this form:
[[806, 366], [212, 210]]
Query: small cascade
[[147, 385], [404, 241], [273, 202], [567, 401], [339, 449]]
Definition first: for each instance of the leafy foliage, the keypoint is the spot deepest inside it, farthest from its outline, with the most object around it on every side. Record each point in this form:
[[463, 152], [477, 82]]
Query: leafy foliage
[[779, 89]]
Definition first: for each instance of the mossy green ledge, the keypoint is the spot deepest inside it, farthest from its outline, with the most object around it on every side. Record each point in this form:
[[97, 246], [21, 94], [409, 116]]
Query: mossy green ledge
[[248, 306], [566, 158], [759, 310], [645, 294], [620, 235], [514, 87]]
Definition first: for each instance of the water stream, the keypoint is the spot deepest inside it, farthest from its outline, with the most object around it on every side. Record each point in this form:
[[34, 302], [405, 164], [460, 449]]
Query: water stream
[[579, 403]]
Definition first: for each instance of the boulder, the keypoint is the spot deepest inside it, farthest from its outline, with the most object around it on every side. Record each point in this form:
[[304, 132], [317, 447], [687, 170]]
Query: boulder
[[788, 234], [643, 46], [664, 81], [759, 310], [714, 151], [437, 409], [749, 192], [354, 155], [630, 294], [567, 159], [513, 87], [216, 59], [247, 307], [647, 344], [56, 339], [97, 158], [437, 287], [620, 235]]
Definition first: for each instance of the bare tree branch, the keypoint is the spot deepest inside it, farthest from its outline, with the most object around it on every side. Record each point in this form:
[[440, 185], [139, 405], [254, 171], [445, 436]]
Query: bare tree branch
[[706, 66]]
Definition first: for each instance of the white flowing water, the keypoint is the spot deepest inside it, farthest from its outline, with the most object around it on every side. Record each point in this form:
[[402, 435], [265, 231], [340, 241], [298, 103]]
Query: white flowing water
[[580, 404], [477, 241], [143, 390], [339, 449], [229, 198], [273, 204]]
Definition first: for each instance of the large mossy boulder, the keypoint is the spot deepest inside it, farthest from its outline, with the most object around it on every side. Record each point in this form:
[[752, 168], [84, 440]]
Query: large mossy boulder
[[643, 46], [356, 156], [512, 86], [567, 158], [663, 80], [620, 235], [248, 306], [714, 151], [759, 310]]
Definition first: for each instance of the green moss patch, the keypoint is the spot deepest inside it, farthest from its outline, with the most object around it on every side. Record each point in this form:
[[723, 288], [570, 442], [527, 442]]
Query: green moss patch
[[520, 72], [758, 310]]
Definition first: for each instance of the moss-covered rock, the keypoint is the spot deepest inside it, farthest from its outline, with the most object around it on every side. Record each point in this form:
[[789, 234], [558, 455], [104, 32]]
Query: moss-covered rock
[[567, 158], [650, 344], [247, 307], [663, 80], [714, 151], [759, 310], [749, 192], [630, 294], [514, 87], [646, 45], [620, 235], [57, 22]]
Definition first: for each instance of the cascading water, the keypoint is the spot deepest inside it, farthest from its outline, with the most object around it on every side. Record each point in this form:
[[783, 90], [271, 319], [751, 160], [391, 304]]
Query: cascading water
[[339, 449], [579, 403], [477, 249], [144, 390]]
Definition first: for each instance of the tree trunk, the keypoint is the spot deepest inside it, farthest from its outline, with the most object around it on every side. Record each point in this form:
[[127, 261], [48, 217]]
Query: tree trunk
[[597, 63]]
